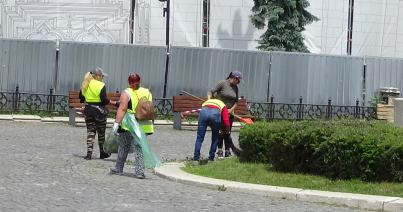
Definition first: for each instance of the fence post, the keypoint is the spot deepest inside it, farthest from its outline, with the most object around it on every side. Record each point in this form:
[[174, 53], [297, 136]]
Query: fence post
[[50, 101], [357, 109], [299, 109], [271, 108], [329, 109], [16, 98]]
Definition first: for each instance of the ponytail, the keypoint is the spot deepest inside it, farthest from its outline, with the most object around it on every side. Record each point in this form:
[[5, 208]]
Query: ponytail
[[86, 82]]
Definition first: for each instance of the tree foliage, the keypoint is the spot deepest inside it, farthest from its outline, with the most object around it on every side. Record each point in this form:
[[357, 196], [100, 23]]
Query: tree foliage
[[285, 21]]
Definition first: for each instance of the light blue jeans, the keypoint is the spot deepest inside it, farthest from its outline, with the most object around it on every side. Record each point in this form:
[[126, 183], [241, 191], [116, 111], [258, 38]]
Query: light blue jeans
[[208, 117]]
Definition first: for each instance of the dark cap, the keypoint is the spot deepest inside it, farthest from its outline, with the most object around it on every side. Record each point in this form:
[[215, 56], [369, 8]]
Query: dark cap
[[236, 74], [99, 71]]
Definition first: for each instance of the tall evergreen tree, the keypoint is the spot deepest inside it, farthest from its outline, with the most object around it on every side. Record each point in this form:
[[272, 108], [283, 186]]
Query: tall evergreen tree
[[285, 21]]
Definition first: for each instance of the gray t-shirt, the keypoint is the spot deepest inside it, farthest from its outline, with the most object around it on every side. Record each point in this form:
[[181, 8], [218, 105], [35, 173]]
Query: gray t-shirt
[[226, 92]]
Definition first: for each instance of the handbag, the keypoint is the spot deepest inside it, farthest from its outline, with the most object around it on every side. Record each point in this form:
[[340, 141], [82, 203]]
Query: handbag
[[145, 109]]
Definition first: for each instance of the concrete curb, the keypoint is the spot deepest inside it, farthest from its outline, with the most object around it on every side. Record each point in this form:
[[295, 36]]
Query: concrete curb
[[173, 171]]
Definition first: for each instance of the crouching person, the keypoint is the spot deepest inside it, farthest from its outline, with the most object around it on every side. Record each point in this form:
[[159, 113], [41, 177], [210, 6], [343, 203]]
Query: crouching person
[[213, 113]]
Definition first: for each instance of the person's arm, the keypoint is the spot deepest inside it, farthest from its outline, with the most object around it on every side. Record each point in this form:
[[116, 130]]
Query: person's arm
[[232, 109], [216, 89], [120, 113], [104, 98], [81, 96]]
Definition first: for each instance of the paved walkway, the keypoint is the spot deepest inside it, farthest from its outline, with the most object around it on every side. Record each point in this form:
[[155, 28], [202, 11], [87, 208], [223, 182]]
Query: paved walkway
[[42, 169]]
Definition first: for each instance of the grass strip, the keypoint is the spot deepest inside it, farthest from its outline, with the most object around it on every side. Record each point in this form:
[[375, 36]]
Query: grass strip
[[233, 169]]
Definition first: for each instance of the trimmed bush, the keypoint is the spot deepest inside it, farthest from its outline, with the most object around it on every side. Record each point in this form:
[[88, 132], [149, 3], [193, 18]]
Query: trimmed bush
[[339, 149]]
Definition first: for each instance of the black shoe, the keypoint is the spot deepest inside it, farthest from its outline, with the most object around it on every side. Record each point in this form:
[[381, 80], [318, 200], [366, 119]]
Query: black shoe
[[139, 176], [236, 152], [89, 156], [114, 171], [104, 155], [227, 153]]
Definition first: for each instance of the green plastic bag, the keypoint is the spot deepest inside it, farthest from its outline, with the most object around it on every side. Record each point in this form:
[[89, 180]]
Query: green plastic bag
[[150, 159], [111, 143]]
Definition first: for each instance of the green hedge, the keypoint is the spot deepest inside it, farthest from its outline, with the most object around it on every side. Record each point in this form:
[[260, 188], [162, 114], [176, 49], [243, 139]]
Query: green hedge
[[341, 149]]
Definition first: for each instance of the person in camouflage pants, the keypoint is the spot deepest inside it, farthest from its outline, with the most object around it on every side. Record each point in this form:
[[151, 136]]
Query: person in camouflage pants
[[96, 124], [93, 93]]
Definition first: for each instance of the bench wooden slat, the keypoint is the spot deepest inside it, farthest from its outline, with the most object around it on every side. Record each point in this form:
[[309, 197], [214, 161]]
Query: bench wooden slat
[[74, 100], [183, 103], [75, 105]]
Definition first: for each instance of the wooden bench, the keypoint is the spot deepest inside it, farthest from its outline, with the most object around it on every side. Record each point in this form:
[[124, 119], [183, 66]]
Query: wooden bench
[[76, 108], [182, 103]]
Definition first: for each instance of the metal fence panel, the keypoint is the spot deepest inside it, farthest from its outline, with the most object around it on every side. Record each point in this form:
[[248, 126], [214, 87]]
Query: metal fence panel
[[30, 64], [197, 70], [382, 72], [118, 60], [316, 78]]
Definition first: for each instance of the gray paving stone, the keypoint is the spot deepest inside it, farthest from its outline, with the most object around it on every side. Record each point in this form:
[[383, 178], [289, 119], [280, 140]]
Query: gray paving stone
[[42, 169]]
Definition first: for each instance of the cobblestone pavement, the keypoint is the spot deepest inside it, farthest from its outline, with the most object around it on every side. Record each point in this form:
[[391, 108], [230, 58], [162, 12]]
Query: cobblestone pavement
[[42, 169]]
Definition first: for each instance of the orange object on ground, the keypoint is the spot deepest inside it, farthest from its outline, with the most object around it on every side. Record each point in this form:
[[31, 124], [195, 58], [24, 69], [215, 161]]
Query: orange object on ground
[[244, 120]]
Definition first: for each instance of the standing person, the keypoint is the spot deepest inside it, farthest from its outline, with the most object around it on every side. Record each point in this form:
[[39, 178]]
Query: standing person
[[93, 94], [128, 103], [227, 91], [214, 113]]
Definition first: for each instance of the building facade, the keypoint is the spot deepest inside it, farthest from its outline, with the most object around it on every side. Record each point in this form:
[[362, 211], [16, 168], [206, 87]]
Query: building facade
[[377, 25]]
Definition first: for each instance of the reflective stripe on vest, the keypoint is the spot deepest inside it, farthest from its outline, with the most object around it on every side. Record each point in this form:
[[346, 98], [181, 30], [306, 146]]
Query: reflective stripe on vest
[[93, 92], [135, 95], [215, 102]]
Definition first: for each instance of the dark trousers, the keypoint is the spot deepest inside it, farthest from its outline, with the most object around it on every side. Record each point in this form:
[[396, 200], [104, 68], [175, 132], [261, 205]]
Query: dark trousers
[[226, 138], [95, 124]]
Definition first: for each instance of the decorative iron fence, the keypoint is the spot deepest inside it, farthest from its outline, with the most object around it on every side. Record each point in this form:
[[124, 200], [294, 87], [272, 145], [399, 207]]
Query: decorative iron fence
[[272, 111], [34, 102]]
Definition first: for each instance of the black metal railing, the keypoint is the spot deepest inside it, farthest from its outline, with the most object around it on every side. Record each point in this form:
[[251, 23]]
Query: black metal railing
[[35, 102], [272, 111], [38, 102], [163, 106]]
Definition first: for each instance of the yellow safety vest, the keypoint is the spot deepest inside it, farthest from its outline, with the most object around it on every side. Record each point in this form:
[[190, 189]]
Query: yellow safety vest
[[93, 92], [215, 102], [135, 95]]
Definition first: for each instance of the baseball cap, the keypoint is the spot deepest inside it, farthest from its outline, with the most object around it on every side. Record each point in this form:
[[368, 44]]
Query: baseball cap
[[99, 71], [236, 74]]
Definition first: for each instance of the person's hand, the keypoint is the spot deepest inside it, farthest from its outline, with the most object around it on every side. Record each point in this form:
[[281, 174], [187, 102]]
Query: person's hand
[[231, 110], [183, 116], [115, 128]]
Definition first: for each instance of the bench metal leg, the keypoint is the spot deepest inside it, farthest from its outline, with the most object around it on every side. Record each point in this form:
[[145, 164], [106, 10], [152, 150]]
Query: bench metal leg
[[177, 121], [72, 117]]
